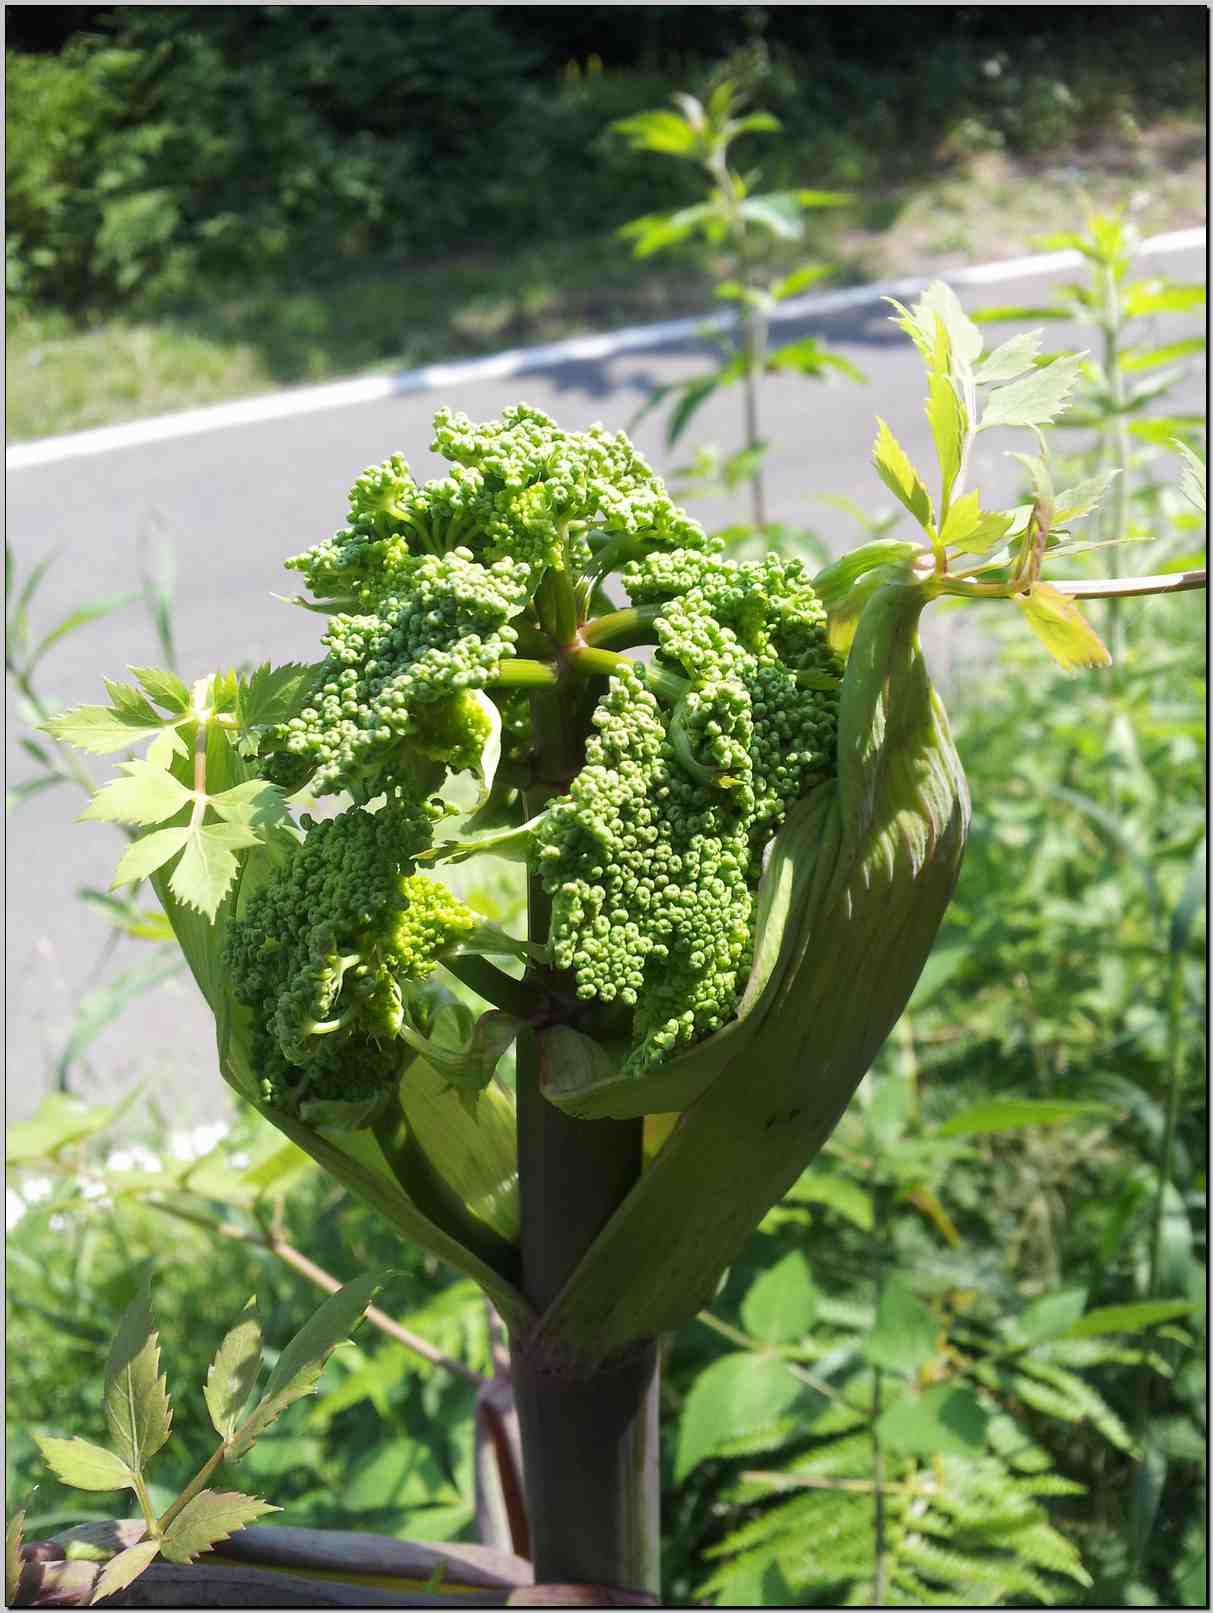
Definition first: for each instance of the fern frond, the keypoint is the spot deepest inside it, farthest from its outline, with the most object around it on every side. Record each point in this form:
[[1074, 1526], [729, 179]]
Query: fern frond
[[1082, 1402]]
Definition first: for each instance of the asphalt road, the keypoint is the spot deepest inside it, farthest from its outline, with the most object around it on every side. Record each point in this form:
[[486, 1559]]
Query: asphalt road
[[232, 503]]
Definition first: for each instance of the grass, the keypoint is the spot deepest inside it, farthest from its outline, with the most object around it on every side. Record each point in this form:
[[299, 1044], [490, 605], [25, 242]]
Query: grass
[[68, 375]]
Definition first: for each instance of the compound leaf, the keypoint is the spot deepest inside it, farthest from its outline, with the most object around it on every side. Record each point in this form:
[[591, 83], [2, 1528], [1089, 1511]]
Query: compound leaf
[[211, 1516], [298, 1368]]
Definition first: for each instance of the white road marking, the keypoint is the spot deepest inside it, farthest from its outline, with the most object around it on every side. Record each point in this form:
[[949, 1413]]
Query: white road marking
[[295, 401]]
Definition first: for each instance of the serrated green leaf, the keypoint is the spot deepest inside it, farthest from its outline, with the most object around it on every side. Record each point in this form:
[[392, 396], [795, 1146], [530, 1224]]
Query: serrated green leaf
[[896, 471], [1072, 503], [781, 1302], [939, 305], [211, 1516], [949, 428], [100, 730], [121, 1570], [1035, 399], [1062, 628], [254, 803], [208, 864], [947, 1420], [146, 795], [298, 1368], [84, 1466], [1128, 1318], [735, 1396], [1011, 360], [148, 853], [272, 694], [963, 519], [232, 1374], [1010, 1114], [165, 688], [906, 1335], [136, 1403]]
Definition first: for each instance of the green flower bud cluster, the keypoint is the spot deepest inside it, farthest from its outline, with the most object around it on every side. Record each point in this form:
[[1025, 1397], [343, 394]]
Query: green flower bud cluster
[[323, 950], [652, 859], [431, 627]]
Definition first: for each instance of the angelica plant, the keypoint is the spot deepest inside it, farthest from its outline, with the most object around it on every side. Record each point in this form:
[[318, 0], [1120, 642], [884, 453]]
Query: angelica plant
[[741, 816]]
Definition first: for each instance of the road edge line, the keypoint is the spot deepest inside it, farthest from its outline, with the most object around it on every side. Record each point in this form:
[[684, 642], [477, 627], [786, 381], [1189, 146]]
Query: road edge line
[[292, 402]]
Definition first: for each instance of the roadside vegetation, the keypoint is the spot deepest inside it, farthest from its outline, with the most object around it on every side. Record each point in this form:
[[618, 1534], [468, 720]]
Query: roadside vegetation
[[165, 250]]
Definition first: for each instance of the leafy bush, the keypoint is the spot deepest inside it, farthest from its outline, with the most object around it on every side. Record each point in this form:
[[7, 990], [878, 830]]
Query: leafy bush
[[171, 142]]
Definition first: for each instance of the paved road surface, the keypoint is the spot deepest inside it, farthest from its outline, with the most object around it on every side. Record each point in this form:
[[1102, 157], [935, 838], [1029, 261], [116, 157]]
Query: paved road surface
[[234, 502]]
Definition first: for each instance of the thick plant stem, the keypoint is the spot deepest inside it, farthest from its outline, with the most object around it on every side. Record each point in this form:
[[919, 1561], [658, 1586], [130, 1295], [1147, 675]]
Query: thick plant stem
[[589, 1441]]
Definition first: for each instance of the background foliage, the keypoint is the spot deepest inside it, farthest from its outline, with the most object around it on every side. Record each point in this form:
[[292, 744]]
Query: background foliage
[[149, 145], [931, 1377]]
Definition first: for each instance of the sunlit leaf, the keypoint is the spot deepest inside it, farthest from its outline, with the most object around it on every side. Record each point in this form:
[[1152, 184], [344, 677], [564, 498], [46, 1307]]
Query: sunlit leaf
[[146, 795], [136, 1402], [121, 1570], [84, 1466], [781, 1302], [297, 1370], [1062, 628], [211, 1516], [896, 471], [232, 1374], [1035, 399], [733, 1397], [208, 864]]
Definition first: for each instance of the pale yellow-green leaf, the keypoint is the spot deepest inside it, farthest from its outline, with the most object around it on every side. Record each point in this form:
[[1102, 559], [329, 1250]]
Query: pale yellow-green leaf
[[84, 1466], [125, 1567], [211, 1516], [896, 471], [143, 856], [1062, 628], [146, 795]]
